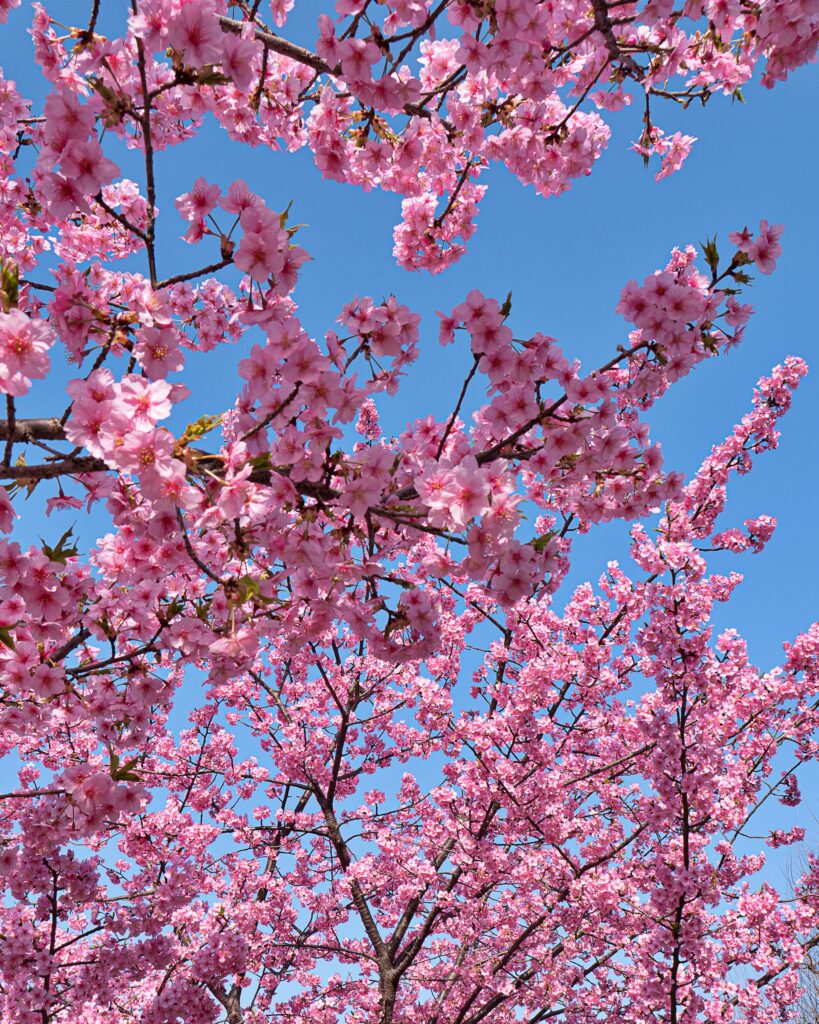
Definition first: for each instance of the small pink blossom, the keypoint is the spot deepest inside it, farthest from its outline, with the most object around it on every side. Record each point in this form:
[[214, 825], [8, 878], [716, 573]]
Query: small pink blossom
[[238, 59], [7, 513], [24, 345], [85, 164], [194, 31], [143, 403], [766, 250], [158, 352]]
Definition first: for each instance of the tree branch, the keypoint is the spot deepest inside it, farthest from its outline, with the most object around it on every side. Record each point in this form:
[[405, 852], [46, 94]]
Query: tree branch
[[69, 466], [603, 24], [32, 430], [281, 46]]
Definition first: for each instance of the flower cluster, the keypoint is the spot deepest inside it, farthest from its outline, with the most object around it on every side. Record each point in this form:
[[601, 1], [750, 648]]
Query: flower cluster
[[24, 345], [311, 731]]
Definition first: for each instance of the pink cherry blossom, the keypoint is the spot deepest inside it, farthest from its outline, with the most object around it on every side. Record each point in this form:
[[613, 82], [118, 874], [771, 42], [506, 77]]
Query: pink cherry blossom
[[84, 164], [67, 120], [24, 345], [237, 59], [145, 403], [196, 205], [193, 31], [158, 352], [7, 513], [324, 725], [766, 249]]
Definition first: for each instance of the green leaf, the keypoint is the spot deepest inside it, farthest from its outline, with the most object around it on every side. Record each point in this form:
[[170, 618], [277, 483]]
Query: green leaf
[[208, 75], [285, 214], [506, 308], [123, 772], [105, 91], [6, 638], [541, 543], [9, 285], [248, 587], [261, 462], [708, 343], [172, 608], [61, 552], [709, 251], [199, 428]]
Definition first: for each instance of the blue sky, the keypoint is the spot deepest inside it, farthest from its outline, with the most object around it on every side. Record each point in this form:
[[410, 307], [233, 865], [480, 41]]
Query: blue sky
[[565, 259]]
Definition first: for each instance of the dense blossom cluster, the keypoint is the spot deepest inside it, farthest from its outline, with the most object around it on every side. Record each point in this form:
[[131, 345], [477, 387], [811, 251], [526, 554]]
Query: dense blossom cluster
[[412, 97], [345, 828]]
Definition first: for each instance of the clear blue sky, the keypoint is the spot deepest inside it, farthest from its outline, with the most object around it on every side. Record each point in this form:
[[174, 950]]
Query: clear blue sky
[[565, 260]]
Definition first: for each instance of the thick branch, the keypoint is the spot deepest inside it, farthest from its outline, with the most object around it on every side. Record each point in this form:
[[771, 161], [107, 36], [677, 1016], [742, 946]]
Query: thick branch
[[280, 45], [602, 22], [50, 470], [32, 430]]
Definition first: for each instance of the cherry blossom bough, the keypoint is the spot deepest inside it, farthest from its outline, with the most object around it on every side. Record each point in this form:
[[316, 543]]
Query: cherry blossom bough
[[564, 838]]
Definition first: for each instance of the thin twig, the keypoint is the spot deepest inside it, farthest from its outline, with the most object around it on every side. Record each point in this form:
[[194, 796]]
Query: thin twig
[[120, 218], [88, 35], [197, 561], [178, 278], [457, 408], [11, 423], [147, 144]]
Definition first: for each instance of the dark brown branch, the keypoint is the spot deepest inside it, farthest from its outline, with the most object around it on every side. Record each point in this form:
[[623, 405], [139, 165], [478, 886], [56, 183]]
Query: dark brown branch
[[69, 466], [457, 408], [148, 148], [178, 278], [498, 449], [10, 435], [120, 219], [70, 645], [197, 561], [281, 46], [273, 413], [50, 429], [603, 24], [31, 794], [455, 193], [31, 430], [38, 285], [769, 976], [88, 35]]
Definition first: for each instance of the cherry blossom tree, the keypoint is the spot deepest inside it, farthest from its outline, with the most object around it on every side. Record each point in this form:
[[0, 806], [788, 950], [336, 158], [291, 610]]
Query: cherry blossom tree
[[411, 788], [809, 1002]]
